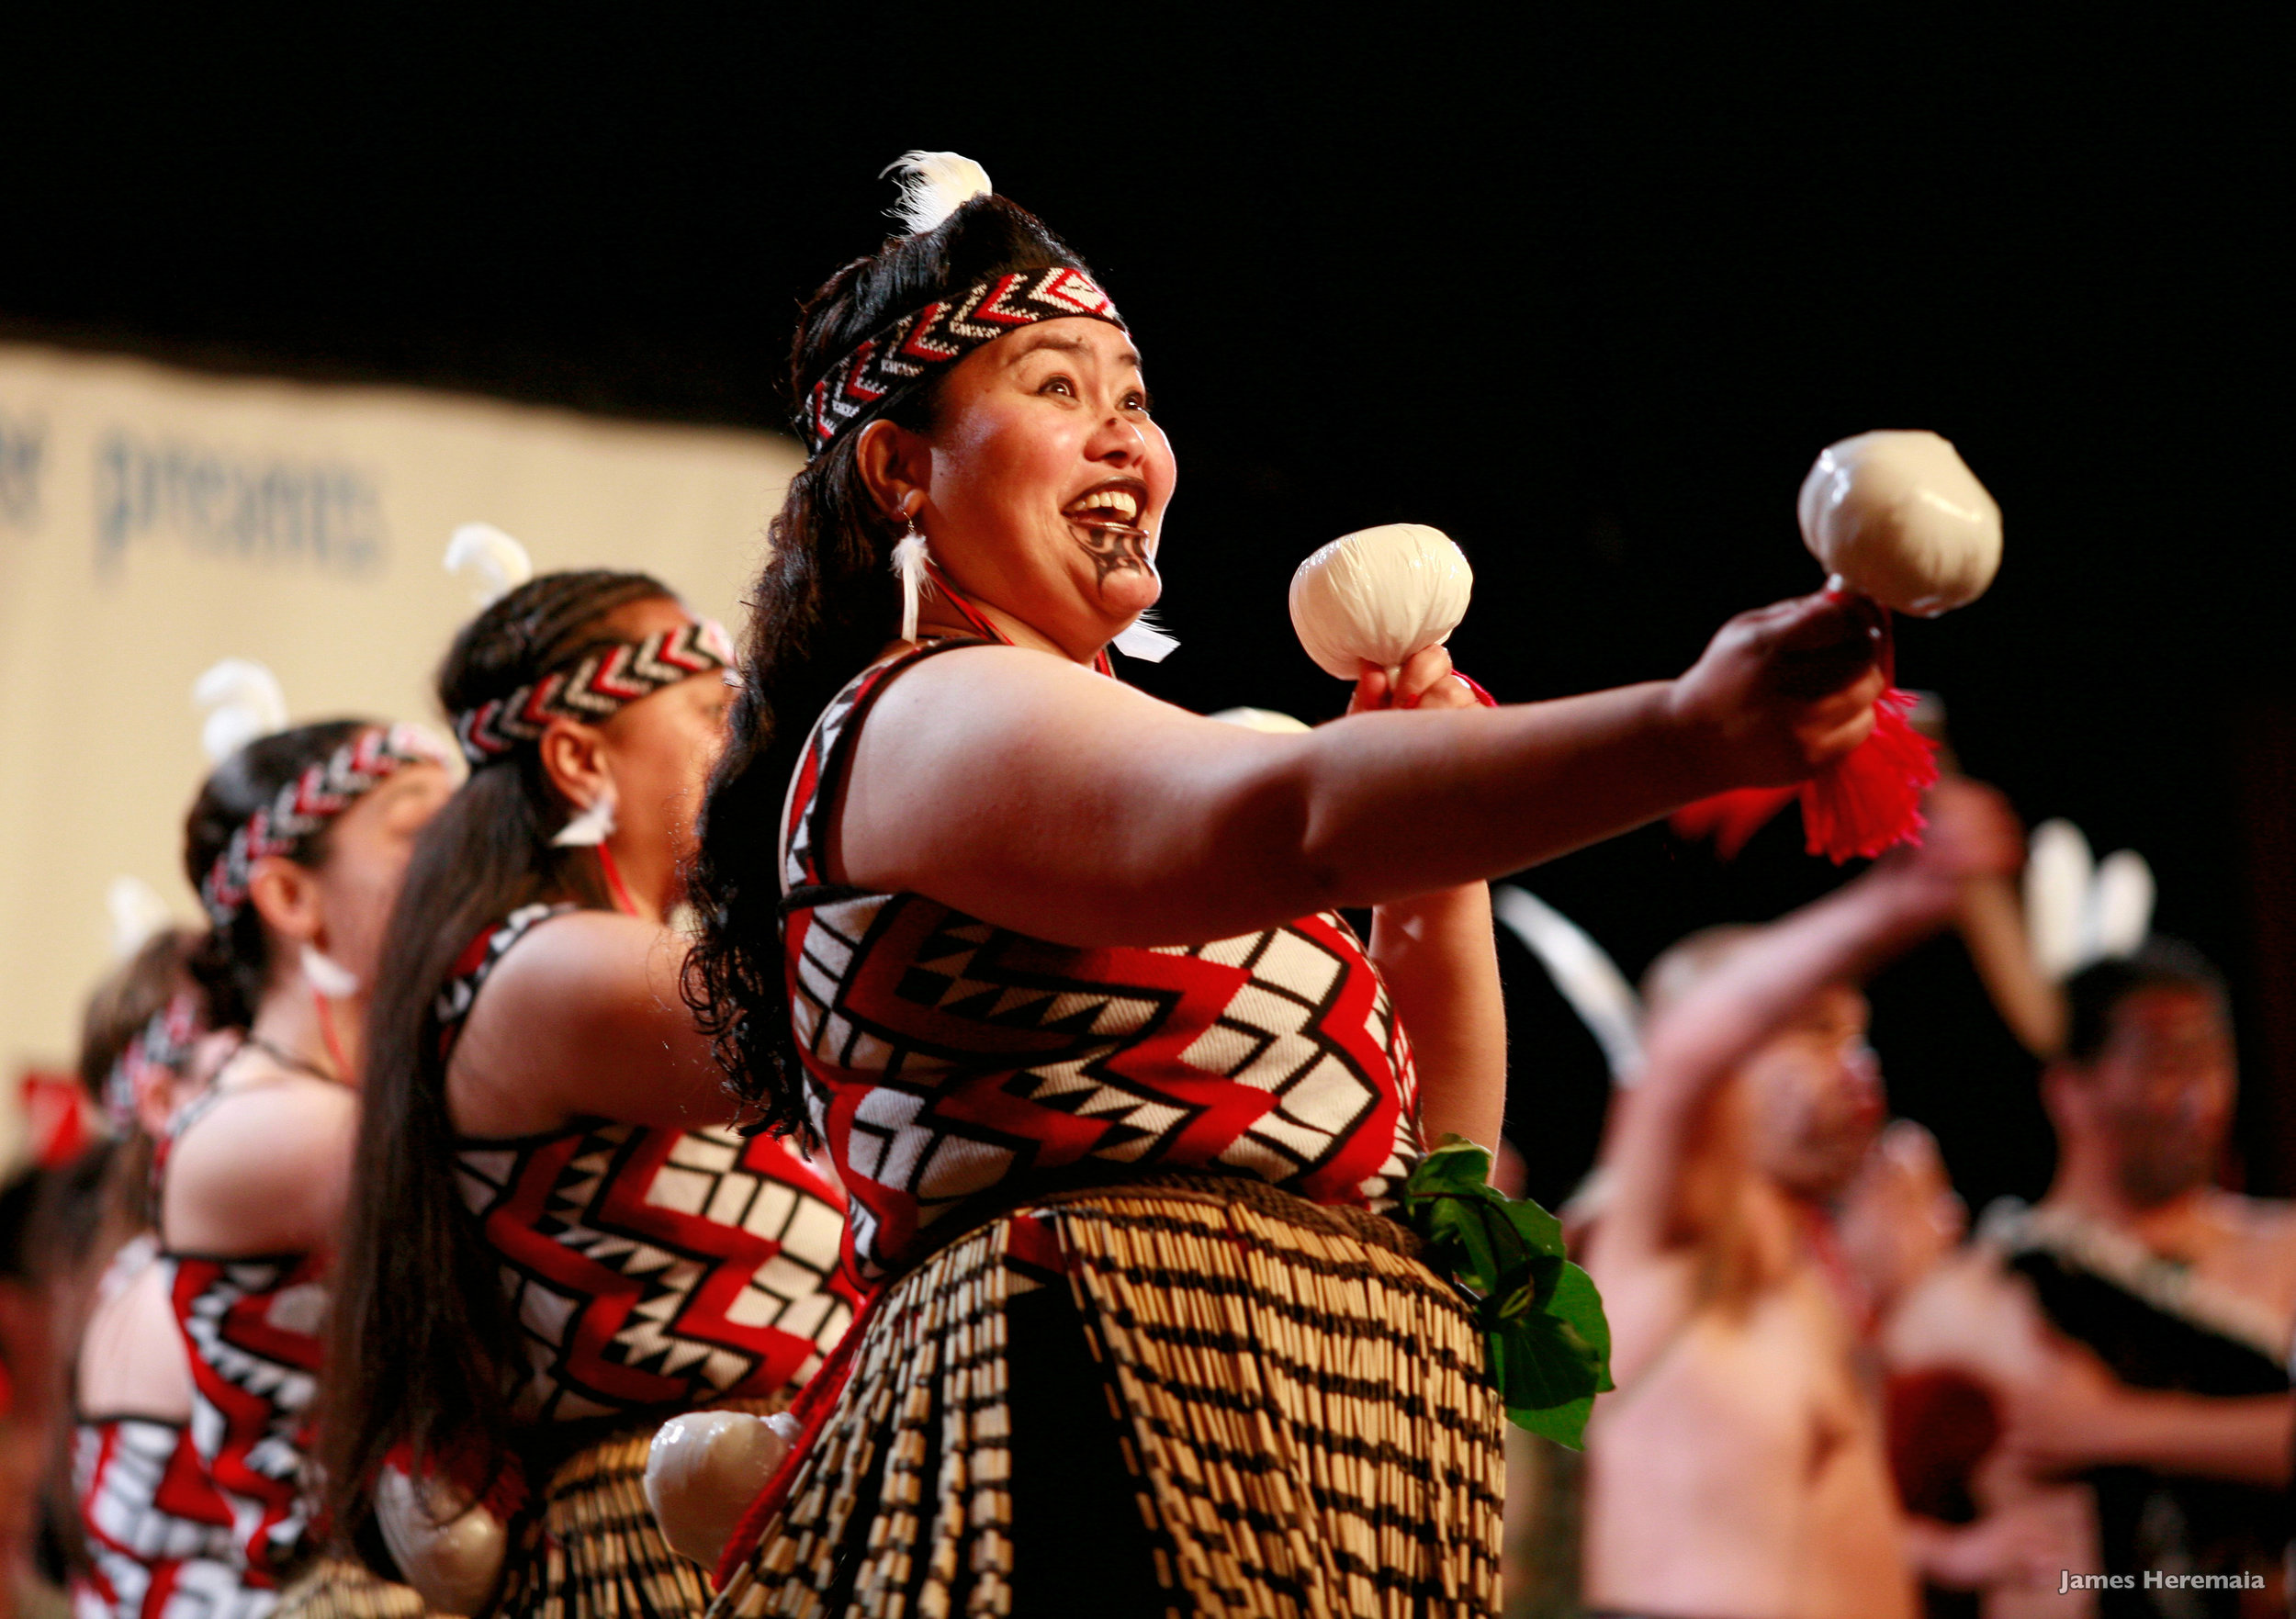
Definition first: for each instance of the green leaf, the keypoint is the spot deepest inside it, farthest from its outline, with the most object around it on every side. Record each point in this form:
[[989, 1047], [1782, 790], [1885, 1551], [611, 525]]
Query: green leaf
[[1546, 1339]]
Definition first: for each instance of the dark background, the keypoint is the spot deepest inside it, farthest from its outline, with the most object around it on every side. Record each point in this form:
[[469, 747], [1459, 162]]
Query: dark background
[[1587, 295]]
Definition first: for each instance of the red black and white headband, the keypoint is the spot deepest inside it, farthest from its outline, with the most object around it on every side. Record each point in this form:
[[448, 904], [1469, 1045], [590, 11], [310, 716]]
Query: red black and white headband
[[308, 803], [941, 333], [592, 688], [165, 1042]]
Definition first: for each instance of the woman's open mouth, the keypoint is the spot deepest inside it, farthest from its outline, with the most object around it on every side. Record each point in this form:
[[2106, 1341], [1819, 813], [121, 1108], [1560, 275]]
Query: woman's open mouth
[[1118, 503]]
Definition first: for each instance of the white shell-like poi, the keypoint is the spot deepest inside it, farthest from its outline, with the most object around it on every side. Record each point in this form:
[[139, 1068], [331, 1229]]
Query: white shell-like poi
[[450, 1550], [1261, 719], [702, 1471], [1380, 595], [1901, 518]]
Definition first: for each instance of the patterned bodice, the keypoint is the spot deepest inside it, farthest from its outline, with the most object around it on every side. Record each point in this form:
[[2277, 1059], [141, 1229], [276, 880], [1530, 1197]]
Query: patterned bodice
[[650, 1268], [254, 1326], [159, 1533], [951, 1062]]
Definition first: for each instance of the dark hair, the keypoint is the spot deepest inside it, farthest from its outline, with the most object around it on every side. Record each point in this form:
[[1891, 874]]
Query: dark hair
[[120, 1007], [423, 1345], [232, 964], [824, 606], [2094, 994]]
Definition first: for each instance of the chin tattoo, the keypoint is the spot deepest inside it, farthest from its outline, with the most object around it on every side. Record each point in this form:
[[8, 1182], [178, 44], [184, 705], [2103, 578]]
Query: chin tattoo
[[1114, 551]]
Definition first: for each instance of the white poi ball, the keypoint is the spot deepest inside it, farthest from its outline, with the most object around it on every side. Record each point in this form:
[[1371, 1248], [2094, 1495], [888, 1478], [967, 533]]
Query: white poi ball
[[1901, 518], [1380, 595]]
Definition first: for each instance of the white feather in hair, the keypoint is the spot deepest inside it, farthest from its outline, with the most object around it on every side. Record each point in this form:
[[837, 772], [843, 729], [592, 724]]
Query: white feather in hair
[[934, 185], [498, 562], [243, 702], [137, 914], [2079, 910], [1598, 991]]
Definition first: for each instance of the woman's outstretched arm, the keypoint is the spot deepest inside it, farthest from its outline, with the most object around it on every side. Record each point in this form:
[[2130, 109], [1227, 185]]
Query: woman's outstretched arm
[[1035, 794]]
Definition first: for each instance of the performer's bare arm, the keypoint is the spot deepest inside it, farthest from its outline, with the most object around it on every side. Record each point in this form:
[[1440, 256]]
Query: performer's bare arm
[[1035, 794], [1438, 954], [2082, 1418], [584, 1018], [1722, 1020]]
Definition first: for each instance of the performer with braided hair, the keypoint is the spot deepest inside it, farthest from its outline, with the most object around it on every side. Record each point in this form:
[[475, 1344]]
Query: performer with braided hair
[[156, 1534], [559, 1240], [296, 844], [1056, 973]]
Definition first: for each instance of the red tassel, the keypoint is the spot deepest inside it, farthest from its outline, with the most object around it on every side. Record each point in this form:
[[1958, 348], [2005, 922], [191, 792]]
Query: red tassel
[[1731, 818], [1870, 799]]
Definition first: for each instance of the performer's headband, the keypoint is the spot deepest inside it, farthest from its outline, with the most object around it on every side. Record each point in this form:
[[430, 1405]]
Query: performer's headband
[[943, 333], [594, 687], [164, 1041], [308, 803]]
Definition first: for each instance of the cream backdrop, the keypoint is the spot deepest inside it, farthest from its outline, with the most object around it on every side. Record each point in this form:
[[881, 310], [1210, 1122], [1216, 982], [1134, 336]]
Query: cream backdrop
[[152, 521]]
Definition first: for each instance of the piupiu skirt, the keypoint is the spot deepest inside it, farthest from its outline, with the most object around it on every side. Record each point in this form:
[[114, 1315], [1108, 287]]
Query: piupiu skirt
[[1193, 1396], [336, 1587]]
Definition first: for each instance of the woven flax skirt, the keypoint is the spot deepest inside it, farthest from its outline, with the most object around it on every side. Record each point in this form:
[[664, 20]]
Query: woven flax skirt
[[1296, 1412], [334, 1588]]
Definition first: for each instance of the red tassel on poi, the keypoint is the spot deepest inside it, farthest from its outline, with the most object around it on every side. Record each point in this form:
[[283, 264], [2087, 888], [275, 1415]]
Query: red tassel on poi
[[1863, 803]]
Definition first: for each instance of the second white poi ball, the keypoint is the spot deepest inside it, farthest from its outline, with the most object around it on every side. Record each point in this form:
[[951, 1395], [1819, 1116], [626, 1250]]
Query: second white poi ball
[[1901, 518], [1379, 595]]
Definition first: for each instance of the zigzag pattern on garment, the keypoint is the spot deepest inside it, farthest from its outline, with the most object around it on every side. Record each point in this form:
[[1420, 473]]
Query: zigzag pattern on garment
[[654, 1268], [159, 1534]]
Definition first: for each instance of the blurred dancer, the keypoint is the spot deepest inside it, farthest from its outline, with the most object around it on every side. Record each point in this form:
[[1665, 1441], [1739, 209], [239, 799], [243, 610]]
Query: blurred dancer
[[1056, 971], [557, 1240], [1738, 1472], [2179, 1296], [156, 1533], [296, 844]]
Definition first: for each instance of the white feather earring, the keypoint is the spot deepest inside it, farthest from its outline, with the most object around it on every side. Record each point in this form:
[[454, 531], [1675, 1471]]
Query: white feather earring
[[243, 702], [909, 558], [1146, 639], [498, 562], [934, 185], [593, 826], [327, 975], [2080, 910]]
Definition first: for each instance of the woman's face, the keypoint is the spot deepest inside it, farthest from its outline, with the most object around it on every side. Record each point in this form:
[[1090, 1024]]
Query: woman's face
[[367, 849], [1047, 481], [660, 749]]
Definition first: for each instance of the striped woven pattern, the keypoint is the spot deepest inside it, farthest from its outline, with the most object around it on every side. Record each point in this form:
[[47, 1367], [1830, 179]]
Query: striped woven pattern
[[1307, 1421], [333, 1588]]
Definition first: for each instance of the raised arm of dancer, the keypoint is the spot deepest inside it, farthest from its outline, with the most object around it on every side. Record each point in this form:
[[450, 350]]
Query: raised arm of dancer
[[1438, 957], [1041, 798], [1724, 1017], [582, 1008]]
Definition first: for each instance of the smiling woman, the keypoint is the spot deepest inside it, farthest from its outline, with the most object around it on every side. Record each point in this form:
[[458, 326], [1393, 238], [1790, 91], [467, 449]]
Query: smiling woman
[[1056, 973]]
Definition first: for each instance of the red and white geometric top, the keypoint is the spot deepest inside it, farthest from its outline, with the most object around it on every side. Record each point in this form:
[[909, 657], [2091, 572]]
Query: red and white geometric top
[[953, 1063], [650, 1268], [253, 1325], [159, 1533]]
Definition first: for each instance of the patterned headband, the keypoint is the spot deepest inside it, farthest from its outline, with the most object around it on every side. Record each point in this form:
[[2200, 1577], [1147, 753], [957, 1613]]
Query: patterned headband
[[592, 688], [308, 803], [165, 1042], [941, 335]]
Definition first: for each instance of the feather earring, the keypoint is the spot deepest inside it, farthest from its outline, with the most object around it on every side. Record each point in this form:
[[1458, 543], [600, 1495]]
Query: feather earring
[[1145, 639], [591, 827], [1598, 991], [327, 976], [909, 558]]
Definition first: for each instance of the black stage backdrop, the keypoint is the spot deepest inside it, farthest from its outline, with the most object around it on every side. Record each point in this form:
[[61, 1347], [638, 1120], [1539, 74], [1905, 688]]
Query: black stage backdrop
[[1588, 295]]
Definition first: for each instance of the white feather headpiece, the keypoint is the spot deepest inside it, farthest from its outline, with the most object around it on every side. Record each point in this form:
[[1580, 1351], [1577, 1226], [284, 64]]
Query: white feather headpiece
[[934, 185], [243, 702], [498, 562], [1598, 991], [137, 914], [2078, 909]]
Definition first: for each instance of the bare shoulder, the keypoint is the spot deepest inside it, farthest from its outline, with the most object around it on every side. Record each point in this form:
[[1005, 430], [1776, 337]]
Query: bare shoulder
[[559, 966], [1969, 1312], [263, 1170]]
